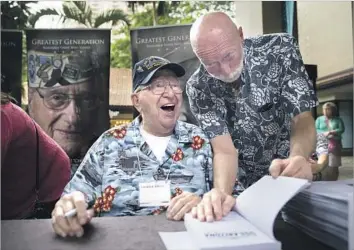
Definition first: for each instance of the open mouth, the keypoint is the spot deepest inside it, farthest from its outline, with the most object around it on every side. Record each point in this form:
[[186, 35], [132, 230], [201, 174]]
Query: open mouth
[[168, 107]]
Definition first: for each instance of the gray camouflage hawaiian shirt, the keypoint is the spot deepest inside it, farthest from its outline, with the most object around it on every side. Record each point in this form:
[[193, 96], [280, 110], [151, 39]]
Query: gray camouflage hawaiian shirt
[[121, 159], [257, 109]]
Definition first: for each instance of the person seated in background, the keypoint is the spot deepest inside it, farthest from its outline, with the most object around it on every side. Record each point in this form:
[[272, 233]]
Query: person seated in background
[[24, 148], [155, 148], [319, 159]]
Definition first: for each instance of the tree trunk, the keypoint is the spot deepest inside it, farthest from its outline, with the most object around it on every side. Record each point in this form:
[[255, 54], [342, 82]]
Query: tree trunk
[[154, 17]]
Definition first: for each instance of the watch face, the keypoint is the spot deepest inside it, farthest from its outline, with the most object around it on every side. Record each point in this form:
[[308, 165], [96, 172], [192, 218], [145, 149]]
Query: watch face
[[57, 62]]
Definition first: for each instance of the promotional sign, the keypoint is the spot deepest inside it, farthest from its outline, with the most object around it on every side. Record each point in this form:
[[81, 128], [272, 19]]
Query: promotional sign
[[11, 63], [68, 80], [172, 43]]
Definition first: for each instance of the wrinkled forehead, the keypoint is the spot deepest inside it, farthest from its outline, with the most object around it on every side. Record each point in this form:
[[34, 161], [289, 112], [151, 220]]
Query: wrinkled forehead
[[79, 88], [209, 48]]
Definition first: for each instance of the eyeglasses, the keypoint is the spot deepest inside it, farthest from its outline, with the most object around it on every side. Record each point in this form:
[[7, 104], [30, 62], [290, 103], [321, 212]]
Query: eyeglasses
[[59, 101], [159, 87]]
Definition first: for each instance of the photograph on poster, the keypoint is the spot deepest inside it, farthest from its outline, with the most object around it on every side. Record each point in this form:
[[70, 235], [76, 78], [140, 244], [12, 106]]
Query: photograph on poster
[[68, 86]]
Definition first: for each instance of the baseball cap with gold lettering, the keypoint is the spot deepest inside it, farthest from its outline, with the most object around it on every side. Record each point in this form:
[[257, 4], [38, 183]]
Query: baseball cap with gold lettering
[[145, 69]]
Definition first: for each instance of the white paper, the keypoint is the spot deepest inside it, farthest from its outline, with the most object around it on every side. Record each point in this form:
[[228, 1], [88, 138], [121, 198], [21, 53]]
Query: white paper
[[261, 202], [177, 241], [154, 194], [232, 232]]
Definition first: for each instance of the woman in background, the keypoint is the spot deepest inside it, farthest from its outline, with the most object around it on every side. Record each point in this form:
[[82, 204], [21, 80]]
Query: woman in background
[[331, 126], [24, 147]]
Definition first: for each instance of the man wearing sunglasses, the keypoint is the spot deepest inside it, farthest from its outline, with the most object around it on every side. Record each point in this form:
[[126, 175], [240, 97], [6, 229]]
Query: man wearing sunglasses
[[64, 99]]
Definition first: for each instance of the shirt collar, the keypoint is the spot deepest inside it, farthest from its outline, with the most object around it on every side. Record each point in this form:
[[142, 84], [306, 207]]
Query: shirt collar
[[180, 132]]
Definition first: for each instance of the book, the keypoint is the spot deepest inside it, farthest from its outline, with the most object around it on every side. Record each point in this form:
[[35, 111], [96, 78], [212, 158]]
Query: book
[[324, 211], [249, 226]]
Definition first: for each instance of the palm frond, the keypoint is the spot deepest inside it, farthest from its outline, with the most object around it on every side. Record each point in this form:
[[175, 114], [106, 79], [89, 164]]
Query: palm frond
[[32, 19], [73, 13], [115, 16], [88, 16], [85, 10], [80, 5]]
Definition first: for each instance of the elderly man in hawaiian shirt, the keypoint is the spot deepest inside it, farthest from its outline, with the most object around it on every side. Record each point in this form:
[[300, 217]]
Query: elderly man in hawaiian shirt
[[253, 98], [154, 148]]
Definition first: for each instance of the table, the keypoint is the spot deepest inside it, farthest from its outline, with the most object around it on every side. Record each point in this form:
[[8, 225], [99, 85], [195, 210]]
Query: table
[[123, 233]]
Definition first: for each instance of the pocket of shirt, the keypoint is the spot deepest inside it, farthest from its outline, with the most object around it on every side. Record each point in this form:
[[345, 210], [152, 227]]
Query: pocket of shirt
[[268, 112], [266, 107]]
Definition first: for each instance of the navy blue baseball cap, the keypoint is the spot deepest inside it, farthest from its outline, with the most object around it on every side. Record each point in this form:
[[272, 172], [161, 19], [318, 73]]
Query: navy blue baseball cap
[[145, 69]]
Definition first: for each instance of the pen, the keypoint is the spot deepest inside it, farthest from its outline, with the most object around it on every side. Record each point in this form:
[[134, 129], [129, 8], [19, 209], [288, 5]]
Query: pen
[[73, 212]]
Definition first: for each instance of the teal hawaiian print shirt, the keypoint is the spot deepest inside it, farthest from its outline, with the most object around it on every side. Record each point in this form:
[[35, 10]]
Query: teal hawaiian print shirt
[[121, 159]]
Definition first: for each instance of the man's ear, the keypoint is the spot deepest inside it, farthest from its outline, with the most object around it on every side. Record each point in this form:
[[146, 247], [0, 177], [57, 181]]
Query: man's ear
[[240, 31], [135, 101]]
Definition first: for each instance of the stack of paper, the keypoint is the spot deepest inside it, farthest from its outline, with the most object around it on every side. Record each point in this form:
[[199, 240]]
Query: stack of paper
[[246, 228], [325, 212]]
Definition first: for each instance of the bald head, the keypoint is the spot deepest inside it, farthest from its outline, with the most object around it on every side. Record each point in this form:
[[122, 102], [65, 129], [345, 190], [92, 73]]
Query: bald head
[[212, 24], [217, 42]]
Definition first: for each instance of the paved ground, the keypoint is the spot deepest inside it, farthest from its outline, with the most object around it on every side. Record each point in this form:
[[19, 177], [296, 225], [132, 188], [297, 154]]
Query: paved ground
[[346, 171]]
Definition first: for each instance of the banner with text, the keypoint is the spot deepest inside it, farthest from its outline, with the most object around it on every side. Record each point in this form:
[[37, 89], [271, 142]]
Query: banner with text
[[68, 80], [11, 63], [172, 43]]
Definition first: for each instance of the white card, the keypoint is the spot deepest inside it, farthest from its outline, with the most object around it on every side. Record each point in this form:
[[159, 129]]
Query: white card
[[154, 194]]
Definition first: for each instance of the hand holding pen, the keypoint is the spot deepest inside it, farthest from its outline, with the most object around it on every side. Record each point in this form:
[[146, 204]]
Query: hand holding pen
[[71, 212]]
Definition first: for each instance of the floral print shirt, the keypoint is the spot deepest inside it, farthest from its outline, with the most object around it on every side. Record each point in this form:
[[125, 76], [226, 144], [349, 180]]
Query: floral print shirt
[[321, 145], [121, 159], [321, 149], [257, 109]]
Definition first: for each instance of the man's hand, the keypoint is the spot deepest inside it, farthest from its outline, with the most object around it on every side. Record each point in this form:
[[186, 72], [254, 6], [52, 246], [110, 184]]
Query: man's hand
[[182, 204], [71, 226], [214, 206], [296, 166]]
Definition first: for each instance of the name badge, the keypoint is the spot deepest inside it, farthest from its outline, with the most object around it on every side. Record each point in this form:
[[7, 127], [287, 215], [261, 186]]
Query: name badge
[[154, 194]]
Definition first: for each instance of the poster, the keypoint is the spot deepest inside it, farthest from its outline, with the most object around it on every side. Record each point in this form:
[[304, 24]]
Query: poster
[[11, 63], [68, 80], [172, 43]]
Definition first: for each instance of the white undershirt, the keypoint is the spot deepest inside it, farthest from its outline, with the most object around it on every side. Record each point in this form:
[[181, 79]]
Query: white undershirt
[[157, 144]]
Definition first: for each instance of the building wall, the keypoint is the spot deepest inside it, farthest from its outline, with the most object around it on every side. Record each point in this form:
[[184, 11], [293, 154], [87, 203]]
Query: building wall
[[346, 114], [249, 17], [325, 35], [326, 39]]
